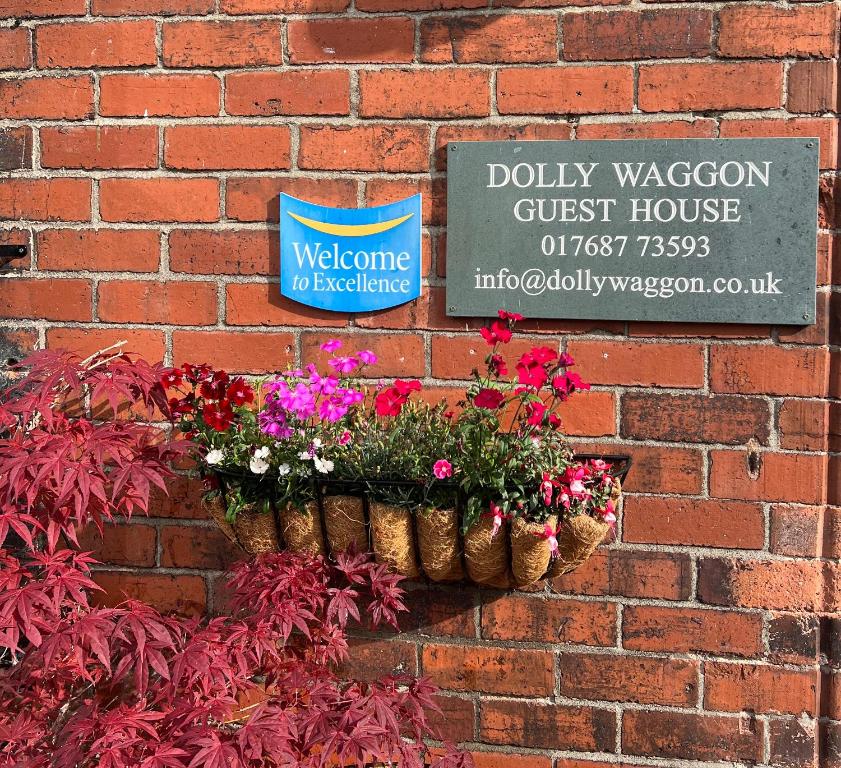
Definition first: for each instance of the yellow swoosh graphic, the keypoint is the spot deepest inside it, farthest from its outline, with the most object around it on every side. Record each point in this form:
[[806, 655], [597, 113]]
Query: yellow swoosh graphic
[[350, 230]]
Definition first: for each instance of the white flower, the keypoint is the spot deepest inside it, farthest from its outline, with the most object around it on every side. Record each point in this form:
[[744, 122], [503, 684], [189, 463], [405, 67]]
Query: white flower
[[284, 469], [262, 453], [214, 457], [258, 466], [316, 442], [323, 465], [305, 455]]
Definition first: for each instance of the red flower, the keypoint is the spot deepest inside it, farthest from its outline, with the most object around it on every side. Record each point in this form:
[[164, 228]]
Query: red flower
[[565, 384], [534, 413], [218, 417], [497, 366], [554, 421], [405, 388], [543, 355], [514, 317], [488, 398], [239, 393], [565, 360], [498, 333], [171, 377], [182, 406], [530, 372], [389, 402]]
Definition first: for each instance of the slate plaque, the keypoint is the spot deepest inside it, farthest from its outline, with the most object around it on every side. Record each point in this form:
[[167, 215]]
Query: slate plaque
[[690, 230]]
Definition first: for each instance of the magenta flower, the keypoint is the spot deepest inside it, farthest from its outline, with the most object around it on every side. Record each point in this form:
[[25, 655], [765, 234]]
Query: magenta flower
[[345, 437], [366, 357], [331, 345], [442, 469], [343, 364], [332, 409]]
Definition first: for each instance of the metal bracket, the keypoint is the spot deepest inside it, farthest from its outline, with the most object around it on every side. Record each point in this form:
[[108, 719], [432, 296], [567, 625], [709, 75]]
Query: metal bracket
[[8, 253]]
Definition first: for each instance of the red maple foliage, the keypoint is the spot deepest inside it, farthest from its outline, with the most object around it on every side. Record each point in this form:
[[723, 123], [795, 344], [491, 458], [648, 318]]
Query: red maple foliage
[[127, 687]]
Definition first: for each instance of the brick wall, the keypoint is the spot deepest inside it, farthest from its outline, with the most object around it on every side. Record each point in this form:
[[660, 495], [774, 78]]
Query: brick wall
[[142, 146]]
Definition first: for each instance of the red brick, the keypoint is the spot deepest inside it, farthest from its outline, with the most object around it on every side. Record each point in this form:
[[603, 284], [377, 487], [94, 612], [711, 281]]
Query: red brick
[[660, 129], [442, 612], [456, 357], [18, 344], [227, 147], [617, 35], [370, 659], [489, 670], [812, 86], [15, 48], [221, 44], [46, 299], [628, 678], [809, 30], [299, 92], [693, 522], [485, 132], [547, 726], [688, 630], [125, 545], [98, 44], [144, 200], [761, 689], [398, 354], [255, 198], [182, 500], [663, 470], [720, 86], [695, 418], [691, 736], [772, 584], [442, 93], [142, 301], [159, 95], [151, 7], [105, 250], [489, 39], [261, 304], [826, 129], [634, 363], [234, 252], [803, 425], [797, 531], [283, 6], [85, 341], [589, 414], [197, 547], [389, 6], [36, 8], [532, 619], [93, 147], [793, 638], [769, 370], [47, 98], [59, 199], [181, 594], [316, 41], [236, 352], [798, 478], [455, 720], [383, 148], [15, 149], [818, 333], [699, 330], [794, 742], [565, 90]]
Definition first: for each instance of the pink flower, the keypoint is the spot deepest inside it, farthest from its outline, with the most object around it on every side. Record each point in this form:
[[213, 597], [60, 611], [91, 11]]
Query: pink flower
[[345, 437], [343, 364], [442, 469], [498, 517], [551, 535], [331, 346], [366, 357], [608, 513], [547, 488]]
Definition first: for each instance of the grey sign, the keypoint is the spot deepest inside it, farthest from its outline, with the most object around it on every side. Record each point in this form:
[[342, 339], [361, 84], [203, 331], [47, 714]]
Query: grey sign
[[695, 230]]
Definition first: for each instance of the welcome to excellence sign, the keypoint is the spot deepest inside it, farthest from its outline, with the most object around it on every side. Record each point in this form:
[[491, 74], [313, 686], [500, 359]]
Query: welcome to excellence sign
[[698, 230]]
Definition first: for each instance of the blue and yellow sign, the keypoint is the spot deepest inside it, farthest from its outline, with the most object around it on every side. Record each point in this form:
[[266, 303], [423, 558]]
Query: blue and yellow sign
[[349, 259]]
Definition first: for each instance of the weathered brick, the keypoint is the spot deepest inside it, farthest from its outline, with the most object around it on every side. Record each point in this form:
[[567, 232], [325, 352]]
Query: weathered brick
[[98, 44], [47, 98], [442, 612], [619, 35], [182, 501], [759, 688], [221, 44], [533, 619], [390, 6], [628, 678], [197, 547], [94, 147], [397, 354], [824, 128], [315, 41], [39, 8], [388, 148], [148, 344], [795, 743], [126, 545], [297, 92], [760, 369], [710, 86], [793, 638], [46, 299], [695, 418], [227, 147], [260, 304], [228, 252], [803, 425], [547, 726], [182, 594], [489, 39], [371, 659], [15, 48], [161, 199], [660, 469], [151, 7], [455, 721], [694, 522], [812, 86], [565, 90], [442, 93], [255, 198], [159, 95], [659, 129], [489, 670], [809, 30], [283, 6], [101, 250], [59, 199], [15, 149], [797, 531], [237, 352], [691, 737], [689, 630], [484, 132], [638, 364], [144, 301]]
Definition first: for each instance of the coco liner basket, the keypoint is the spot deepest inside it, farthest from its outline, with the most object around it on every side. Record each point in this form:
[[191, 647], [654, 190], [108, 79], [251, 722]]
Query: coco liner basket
[[428, 542]]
